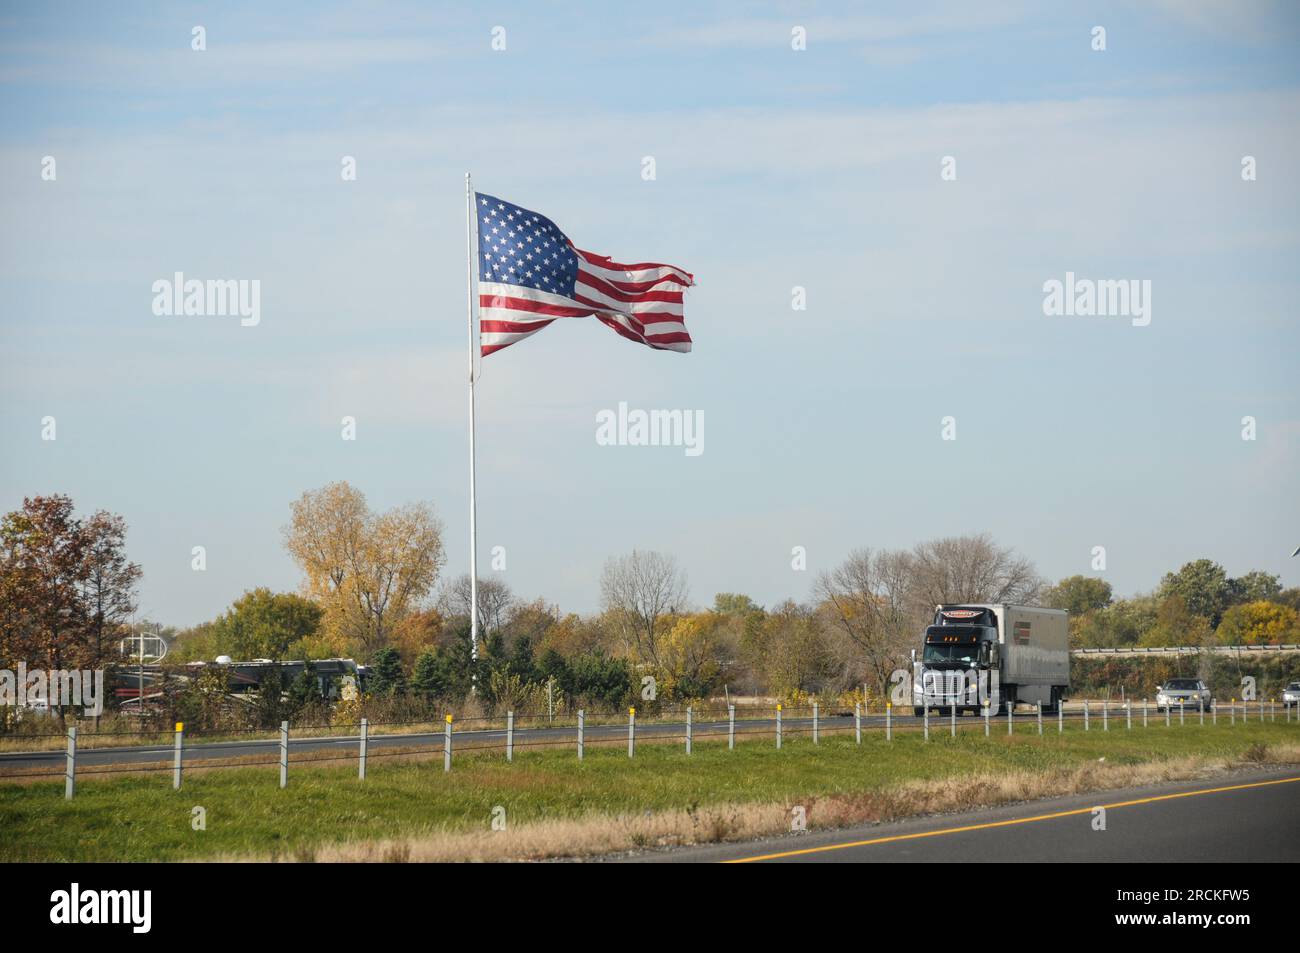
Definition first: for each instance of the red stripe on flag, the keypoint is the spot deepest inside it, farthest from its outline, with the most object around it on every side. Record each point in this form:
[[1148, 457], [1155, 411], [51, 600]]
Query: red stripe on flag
[[605, 288], [536, 307], [512, 327]]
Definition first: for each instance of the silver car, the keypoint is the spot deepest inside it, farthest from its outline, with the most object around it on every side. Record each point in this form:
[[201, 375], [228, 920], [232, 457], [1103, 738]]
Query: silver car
[[1291, 695], [1190, 693]]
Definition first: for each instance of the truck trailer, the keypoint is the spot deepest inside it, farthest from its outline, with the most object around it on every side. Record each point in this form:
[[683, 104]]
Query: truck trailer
[[1000, 655]]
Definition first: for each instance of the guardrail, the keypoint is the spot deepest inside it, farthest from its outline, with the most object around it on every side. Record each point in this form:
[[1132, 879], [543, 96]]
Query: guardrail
[[1186, 650], [510, 734]]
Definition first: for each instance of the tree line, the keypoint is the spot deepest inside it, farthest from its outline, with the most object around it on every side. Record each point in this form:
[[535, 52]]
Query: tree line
[[372, 590]]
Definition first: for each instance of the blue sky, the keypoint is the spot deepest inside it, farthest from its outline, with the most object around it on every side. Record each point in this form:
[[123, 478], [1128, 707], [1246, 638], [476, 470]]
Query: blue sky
[[775, 168]]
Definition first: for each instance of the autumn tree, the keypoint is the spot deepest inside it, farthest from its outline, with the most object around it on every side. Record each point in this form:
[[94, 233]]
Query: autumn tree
[[694, 655], [66, 586], [1259, 623], [266, 624], [108, 590], [1121, 624], [325, 537], [1177, 624], [788, 649], [1203, 587], [1255, 586], [1078, 595], [368, 570], [572, 635]]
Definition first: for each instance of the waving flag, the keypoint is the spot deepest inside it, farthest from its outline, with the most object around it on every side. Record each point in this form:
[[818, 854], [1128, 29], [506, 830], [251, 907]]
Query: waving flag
[[530, 274]]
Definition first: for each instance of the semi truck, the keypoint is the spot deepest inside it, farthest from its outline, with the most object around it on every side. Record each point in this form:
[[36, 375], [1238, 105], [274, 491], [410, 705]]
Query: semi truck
[[1000, 655]]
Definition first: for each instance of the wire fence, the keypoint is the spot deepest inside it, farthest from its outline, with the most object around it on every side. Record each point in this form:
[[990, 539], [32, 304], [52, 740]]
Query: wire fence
[[511, 735]]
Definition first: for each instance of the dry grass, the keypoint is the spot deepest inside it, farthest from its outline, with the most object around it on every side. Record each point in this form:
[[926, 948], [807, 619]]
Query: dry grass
[[601, 835]]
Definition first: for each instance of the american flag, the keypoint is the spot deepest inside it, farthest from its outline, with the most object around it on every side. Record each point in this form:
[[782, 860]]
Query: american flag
[[530, 274]]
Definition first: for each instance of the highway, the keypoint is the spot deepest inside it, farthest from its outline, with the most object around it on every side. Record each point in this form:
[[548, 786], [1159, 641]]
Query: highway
[[1251, 817]]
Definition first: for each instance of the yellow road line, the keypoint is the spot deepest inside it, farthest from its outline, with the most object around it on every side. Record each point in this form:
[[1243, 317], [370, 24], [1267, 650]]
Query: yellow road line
[[1008, 823]]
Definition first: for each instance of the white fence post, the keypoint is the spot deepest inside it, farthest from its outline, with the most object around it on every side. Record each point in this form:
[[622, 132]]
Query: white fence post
[[889, 725], [176, 760], [364, 744], [952, 720], [1040, 717], [778, 726], [1105, 716], [1086, 714], [446, 746], [582, 724], [1128, 715], [631, 732], [925, 719], [857, 722], [689, 725], [1011, 715], [1182, 721], [1144, 713], [70, 774], [815, 723], [1060, 715], [510, 736], [731, 727], [284, 753], [986, 718]]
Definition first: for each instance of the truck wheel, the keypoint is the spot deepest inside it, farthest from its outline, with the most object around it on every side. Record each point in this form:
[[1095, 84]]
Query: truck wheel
[[917, 711]]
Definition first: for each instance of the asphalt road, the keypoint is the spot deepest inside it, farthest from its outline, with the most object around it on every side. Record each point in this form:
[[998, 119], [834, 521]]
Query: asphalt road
[[1248, 817]]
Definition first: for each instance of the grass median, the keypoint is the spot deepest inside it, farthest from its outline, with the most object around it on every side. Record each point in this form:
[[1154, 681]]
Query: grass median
[[553, 805]]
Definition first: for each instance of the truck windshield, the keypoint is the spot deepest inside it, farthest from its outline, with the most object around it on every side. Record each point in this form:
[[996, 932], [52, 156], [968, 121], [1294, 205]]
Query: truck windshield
[[966, 654]]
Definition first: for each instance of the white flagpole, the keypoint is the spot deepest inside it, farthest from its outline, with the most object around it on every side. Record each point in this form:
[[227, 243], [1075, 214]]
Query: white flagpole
[[471, 257]]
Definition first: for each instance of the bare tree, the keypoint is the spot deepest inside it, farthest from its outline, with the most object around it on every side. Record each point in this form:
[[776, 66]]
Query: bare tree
[[971, 569], [869, 599], [636, 591], [494, 602]]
